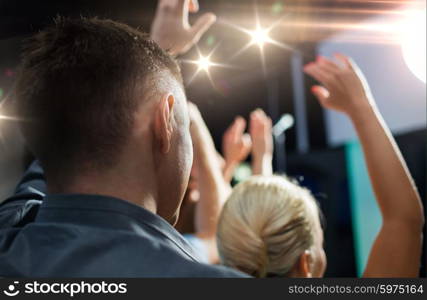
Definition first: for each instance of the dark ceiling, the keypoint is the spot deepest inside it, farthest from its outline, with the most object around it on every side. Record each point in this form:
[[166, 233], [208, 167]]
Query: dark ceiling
[[24, 16]]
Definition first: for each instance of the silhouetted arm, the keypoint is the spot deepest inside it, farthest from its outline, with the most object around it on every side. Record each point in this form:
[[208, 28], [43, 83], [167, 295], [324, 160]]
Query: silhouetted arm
[[236, 146], [260, 128], [211, 184]]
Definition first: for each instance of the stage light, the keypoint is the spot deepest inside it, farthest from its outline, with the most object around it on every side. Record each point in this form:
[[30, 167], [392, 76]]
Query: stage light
[[260, 36], [204, 63], [413, 41]]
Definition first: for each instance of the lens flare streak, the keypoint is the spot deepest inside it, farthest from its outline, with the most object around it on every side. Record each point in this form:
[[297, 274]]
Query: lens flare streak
[[259, 36], [204, 63]]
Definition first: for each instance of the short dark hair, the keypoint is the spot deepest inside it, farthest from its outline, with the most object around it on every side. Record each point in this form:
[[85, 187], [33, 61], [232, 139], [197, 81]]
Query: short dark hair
[[80, 82]]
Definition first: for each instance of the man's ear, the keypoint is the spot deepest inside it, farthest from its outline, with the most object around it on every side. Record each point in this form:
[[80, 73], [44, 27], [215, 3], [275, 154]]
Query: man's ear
[[163, 122], [305, 264]]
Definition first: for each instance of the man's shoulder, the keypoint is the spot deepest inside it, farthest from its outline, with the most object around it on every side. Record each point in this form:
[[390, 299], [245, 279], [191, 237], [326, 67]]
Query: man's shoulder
[[126, 256], [166, 260], [213, 271]]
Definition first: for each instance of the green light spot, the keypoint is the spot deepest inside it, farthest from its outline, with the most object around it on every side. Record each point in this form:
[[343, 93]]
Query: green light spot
[[1, 93], [277, 7], [210, 40], [242, 172]]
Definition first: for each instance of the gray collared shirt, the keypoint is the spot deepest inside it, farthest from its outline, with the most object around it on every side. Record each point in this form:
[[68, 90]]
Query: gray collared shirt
[[90, 236]]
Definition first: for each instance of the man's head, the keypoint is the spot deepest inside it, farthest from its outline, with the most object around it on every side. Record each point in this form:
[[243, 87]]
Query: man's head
[[99, 97]]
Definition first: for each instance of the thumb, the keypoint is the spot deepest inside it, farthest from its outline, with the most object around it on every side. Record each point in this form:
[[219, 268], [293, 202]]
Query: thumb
[[202, 25], [321, 93]]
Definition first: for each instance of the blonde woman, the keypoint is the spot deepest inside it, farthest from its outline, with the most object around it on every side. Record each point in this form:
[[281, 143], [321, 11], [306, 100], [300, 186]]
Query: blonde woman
[[270, 226]]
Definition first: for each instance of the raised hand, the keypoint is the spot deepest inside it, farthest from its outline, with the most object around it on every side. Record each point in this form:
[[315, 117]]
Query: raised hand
[[171, 28], [346, 90], [236, 145], [260, 129], [344, 86]]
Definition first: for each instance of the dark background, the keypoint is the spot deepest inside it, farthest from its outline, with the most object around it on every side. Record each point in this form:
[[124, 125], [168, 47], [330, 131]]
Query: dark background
[[244, 87]]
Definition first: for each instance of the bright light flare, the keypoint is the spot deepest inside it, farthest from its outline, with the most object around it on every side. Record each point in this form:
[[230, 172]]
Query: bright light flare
[[3, 117], [260, 36], [204, 63], [413, 41]]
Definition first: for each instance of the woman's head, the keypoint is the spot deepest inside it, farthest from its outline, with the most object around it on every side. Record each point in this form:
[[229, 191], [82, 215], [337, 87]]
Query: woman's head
[[270, 226]]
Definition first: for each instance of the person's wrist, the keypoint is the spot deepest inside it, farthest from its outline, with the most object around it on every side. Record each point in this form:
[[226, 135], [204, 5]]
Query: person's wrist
[[262, 156], [355, 104], [361, 113], [231, 163], [262, 164]]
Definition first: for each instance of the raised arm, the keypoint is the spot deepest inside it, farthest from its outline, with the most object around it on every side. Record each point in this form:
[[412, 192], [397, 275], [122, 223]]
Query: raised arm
[[171, 28], [397, 249], [211, 184], [260, 128], [236, 146]]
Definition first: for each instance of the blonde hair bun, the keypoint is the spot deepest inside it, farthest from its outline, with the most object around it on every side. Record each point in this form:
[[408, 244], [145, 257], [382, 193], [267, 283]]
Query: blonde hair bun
[[265, 225]]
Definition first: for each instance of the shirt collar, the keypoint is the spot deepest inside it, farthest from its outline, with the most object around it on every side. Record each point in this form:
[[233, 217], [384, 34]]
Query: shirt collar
[[69, 208]]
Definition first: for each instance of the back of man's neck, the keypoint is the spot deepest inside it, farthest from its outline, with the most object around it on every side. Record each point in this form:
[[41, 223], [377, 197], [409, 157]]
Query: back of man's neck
[[128, 190]]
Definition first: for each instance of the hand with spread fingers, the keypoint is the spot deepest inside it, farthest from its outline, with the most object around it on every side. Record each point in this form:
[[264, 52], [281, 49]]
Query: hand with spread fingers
[[236, 146], [171, 28], [344, 86]]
